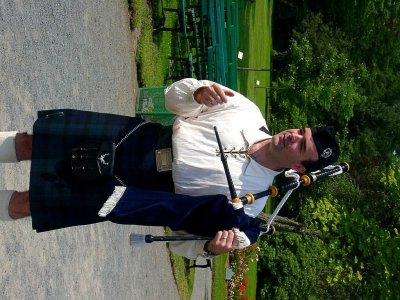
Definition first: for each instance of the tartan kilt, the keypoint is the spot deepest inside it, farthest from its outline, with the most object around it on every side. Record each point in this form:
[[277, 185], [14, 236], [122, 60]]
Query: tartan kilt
[[60, 200]]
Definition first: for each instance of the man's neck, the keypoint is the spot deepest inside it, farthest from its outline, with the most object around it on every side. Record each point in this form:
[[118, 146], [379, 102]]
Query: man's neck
[[261, 153]]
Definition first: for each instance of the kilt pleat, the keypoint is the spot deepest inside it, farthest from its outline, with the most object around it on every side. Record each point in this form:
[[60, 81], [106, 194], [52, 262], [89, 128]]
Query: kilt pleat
[[57, 198]]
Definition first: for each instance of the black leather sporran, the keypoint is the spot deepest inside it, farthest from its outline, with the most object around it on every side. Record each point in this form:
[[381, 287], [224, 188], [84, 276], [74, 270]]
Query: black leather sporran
[[92, 160]]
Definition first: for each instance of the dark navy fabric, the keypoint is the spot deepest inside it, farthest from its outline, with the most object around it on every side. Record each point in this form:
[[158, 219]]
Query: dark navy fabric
[[58, 199], [200, 215]]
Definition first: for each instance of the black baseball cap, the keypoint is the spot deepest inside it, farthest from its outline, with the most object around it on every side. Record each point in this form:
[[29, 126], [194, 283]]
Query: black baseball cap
[[327, 148]]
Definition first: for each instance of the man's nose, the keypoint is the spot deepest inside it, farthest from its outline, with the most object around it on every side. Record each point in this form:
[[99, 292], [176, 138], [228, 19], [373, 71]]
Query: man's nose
[[294, 137]]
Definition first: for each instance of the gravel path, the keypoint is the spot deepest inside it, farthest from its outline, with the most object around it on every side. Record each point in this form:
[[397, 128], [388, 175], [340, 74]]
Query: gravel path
[[203, 282], [70, 54]]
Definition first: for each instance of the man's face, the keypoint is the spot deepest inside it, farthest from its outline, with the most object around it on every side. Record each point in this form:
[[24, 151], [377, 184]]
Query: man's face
[[294, 146]]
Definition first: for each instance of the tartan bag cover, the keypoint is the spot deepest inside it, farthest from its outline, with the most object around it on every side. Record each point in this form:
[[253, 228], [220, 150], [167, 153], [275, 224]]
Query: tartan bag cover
[[60, 200]]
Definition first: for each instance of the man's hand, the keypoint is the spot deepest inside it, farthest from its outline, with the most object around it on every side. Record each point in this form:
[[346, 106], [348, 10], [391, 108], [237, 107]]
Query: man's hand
[[212, 95], [224, 241]]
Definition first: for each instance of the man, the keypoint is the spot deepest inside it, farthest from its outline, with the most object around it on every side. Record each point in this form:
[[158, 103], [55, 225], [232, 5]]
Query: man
[[254, 158]]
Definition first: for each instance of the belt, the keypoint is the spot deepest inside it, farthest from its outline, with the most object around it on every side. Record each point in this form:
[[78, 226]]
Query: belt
[[165, 137]]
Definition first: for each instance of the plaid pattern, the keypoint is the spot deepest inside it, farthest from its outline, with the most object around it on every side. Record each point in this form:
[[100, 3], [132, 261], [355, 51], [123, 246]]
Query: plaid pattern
[[58, 199]]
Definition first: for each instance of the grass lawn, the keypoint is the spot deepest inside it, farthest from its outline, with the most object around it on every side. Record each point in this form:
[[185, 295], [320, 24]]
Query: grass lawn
[[251, 276], [153, 47], [184, 277], [256, 45], [218, 290]]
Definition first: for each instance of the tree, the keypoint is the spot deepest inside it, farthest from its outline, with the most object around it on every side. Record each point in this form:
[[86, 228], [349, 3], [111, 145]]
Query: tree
[[356, 256], [343, 72], [294, 266], [321, 84]]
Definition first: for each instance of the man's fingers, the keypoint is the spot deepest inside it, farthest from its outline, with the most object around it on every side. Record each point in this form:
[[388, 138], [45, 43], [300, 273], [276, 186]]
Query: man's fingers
[[218, 236], [224, 236], [212, 95], [219, 94], [223, 241], [208, 101], [223, 93], [227, 238], [230, 238], [229, 93]]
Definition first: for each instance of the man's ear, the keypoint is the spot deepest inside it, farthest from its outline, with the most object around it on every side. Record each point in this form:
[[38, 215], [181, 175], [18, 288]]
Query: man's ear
[[299, 168]]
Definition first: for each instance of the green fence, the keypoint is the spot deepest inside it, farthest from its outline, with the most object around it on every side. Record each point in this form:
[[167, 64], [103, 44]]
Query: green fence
[[208, 37]]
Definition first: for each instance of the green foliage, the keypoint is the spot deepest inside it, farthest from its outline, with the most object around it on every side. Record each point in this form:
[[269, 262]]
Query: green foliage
[[376, 23], [293, 267], [356, 255], [379, 192], [378, 131], [321, 84], [363, 254], [364, 257], [391, 184], [374, 28], [342, 69]]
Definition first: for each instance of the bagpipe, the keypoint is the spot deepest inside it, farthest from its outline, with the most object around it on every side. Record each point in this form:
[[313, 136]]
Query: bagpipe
[[241, 220]]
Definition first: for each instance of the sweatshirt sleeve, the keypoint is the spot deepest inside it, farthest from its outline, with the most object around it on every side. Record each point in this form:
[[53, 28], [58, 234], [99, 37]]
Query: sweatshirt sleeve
[[179, 97], [195, 249], [188, 249]]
